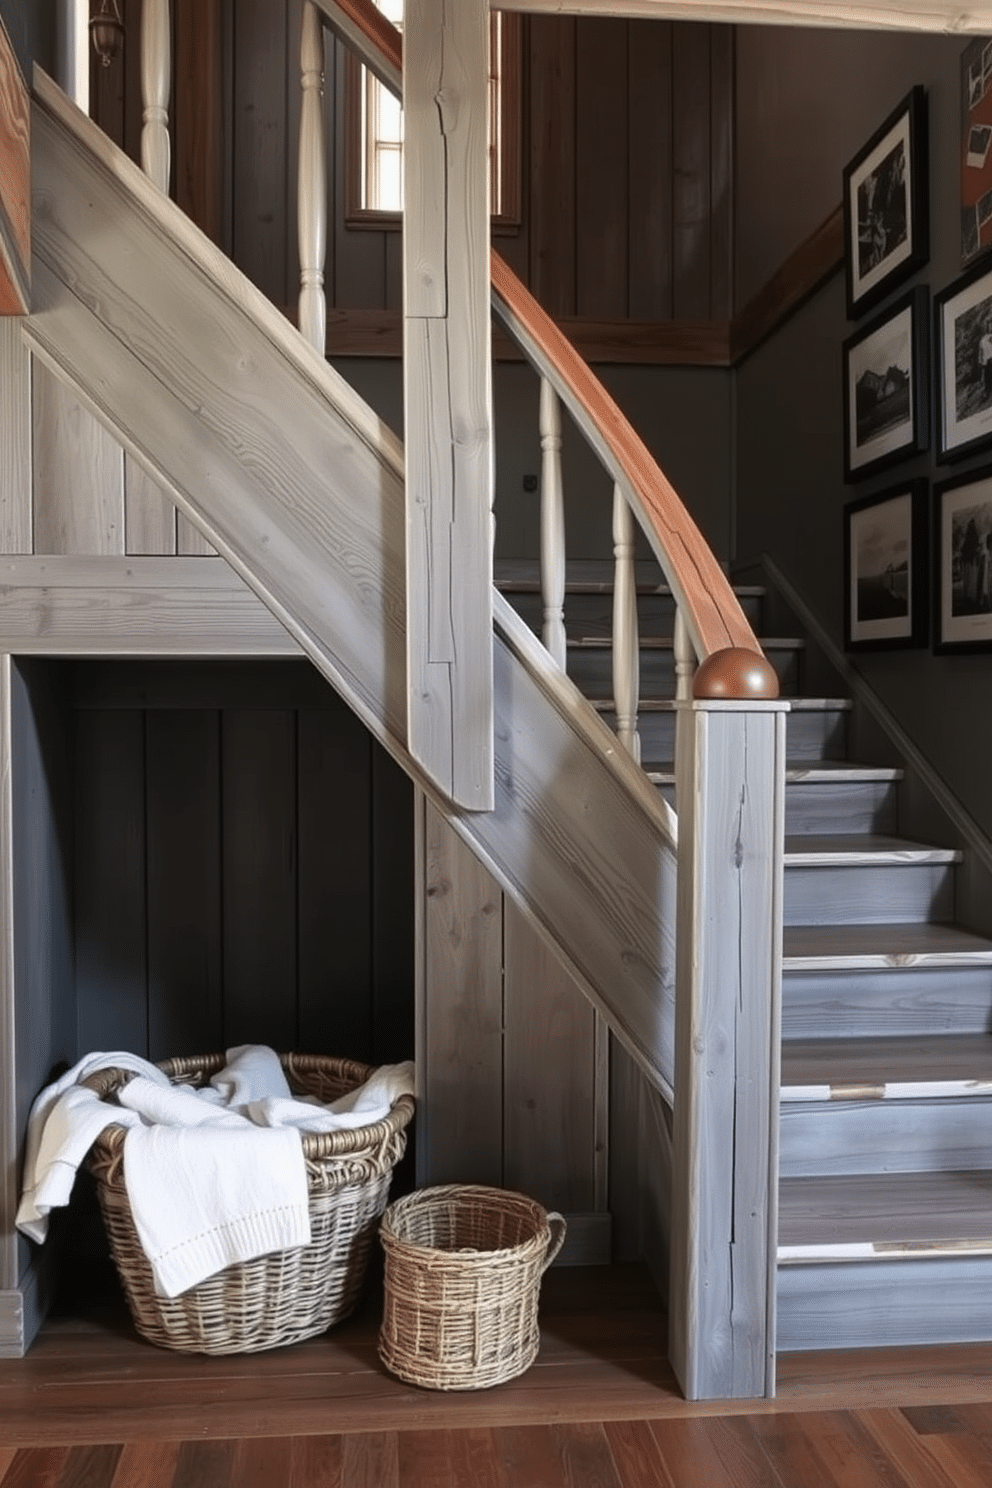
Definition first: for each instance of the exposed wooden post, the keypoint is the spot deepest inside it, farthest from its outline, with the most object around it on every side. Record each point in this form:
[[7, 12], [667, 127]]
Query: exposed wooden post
[[552, 525], [72, 45], [312, 181], [626, 640], [730, 793], [448, 396], [15, 184], [156, 80]]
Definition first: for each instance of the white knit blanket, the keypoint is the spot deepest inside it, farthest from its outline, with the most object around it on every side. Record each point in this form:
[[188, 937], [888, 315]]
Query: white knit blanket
[[213, 1176]]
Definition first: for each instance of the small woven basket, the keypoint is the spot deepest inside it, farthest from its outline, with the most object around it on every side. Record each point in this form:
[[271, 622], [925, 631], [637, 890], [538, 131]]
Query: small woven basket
[[291, 1294], [463, 1275]]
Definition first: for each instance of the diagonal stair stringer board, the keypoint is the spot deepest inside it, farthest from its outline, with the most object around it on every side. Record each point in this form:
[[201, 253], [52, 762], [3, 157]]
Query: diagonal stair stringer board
[[299, 487]]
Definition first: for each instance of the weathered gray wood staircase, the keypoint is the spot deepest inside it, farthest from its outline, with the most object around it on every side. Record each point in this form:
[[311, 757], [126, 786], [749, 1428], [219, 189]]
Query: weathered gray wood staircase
[[885, 1141]]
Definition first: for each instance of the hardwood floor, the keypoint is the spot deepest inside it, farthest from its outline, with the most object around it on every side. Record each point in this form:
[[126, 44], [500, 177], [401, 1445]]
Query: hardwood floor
[[91, 1406]]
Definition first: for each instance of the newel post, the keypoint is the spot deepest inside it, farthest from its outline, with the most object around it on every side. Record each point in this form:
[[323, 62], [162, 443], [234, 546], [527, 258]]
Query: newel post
[[730, 798]]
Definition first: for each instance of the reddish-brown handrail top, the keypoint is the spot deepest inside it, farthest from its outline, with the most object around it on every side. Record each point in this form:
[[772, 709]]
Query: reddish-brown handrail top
[[712, 612]]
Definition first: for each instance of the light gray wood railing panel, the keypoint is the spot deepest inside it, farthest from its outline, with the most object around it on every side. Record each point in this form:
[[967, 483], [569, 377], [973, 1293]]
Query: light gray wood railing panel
[[15, 446], [300, 488], [8, 1102]]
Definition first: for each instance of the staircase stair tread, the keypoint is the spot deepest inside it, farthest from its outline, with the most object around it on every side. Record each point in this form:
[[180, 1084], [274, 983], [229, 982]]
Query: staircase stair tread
[[902, 1067], [882, 947], [826, 772], [884, 1214], [863, 849]]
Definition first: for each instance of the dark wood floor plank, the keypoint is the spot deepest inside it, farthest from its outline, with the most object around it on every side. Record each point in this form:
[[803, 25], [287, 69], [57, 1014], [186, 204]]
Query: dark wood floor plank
[[90, 1467], [850, 1453], [586, 1456], [905, 1449], [147, 1464], [38, 1467], [370, 1459], [316, 1462], [205, 1464], [529, 1456], [741, 1452], [262, 1462], [692, 1455], [475, 1458], [934, 1420], [637, 1455], [791, 1452], [7, 1455], [965, 1459], [425, 1460]]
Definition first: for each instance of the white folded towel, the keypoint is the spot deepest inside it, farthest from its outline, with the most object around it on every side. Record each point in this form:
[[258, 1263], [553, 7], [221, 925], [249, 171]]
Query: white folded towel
[[64, 1122], [363, 1106]]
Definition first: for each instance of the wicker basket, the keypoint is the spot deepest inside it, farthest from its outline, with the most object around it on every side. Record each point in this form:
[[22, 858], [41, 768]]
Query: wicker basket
[[463, 1275], [291, 1294]]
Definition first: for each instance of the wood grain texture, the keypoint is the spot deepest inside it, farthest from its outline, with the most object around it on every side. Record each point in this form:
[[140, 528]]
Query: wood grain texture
[[691, 154], [552, 164], [199, 122], [15, 185], [149, 515], [649, 70], [8, 1107], [448, 398], [730, 795], [16, 446], [905, 15], [601, 146], [78, 474]]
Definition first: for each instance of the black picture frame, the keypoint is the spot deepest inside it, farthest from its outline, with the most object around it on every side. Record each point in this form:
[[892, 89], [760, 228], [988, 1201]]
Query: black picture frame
[[963, 360], [976, 150], [887, 387], [887, 206], [887, 568], [962, 541]]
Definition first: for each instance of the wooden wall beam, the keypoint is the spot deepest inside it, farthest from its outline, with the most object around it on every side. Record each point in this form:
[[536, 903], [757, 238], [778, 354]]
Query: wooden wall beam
[[448, 397], [887, 15], [15, 185]]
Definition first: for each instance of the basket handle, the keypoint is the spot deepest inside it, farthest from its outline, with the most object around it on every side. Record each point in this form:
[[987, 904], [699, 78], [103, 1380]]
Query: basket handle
[[557, 1226]]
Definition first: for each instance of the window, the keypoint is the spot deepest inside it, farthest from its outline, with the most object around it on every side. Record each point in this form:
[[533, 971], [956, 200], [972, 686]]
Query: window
[[374, 132]]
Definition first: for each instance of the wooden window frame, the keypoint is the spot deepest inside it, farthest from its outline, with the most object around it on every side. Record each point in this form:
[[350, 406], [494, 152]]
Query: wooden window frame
[[509, 217]]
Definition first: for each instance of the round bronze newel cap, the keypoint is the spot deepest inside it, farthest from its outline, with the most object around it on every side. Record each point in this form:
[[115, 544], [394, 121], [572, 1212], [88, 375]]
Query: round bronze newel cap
[[736, 674]]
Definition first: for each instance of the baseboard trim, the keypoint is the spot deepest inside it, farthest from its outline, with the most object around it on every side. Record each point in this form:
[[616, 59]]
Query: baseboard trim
[[23, 1309]]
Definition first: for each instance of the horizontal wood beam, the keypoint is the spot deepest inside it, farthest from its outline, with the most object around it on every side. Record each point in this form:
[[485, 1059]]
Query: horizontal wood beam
[[889, 15], [15, 185]]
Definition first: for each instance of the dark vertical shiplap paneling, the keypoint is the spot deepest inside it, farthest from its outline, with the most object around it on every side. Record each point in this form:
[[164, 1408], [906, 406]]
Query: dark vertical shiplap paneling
[[335, 909], [110, 881], [198, 134], [392, 911], [258, 761], [601, 129], [359, 253], [261, 197], [185, 1010], [649, 51], [722, 111], [552, 162], [691, 178], [294, 101]]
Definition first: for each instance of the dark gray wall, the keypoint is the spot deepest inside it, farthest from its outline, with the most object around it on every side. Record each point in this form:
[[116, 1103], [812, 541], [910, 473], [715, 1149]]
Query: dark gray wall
[[807, 101], [30, 24]]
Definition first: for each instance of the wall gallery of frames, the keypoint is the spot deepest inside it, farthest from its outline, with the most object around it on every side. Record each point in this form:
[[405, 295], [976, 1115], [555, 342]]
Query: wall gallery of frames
[[918, 561]]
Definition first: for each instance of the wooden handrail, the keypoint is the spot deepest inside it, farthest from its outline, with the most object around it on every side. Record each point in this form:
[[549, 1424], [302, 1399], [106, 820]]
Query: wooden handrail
[[713, 617]]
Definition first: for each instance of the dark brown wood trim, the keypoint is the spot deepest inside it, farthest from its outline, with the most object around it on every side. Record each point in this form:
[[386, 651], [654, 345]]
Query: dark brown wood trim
[[15, 184], [813, 263]]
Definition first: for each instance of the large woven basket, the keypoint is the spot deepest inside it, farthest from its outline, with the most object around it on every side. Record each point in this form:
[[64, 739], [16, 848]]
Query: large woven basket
[[291, 1294], [463, 1276]]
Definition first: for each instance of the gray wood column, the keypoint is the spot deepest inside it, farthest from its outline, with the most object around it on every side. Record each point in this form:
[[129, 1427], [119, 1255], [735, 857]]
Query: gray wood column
[[730, 798], [448, 397]]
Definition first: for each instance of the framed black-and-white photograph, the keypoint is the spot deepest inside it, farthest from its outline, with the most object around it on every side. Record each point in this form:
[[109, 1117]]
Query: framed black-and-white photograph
[[976, 149], [962, 522], [886, 378], [886, 206], [886, 569], [963, 356]]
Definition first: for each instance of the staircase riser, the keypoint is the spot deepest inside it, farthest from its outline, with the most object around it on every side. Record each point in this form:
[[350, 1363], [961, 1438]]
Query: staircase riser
[[592, 614], [808, 736], [885, 1303], [848, 807], [592, 671], [879, 1004], [830, 1138], [877, 895]]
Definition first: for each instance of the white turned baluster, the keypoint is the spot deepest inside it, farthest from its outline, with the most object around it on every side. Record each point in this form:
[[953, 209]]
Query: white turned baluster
[[552, 525], [156, 80], [312, 182], [626, 641], [685, 659]]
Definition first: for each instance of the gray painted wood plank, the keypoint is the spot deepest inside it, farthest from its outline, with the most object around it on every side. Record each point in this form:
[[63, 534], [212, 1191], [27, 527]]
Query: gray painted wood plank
[[730, 794], [149, 515], [448, 397], [828, 1138], [886, 1210], [78, 474], [461, 1067], [549, 1074], [393, 859], [961, 1060], [16, 446], [895, 1000], [853, 893], [882, 946]]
